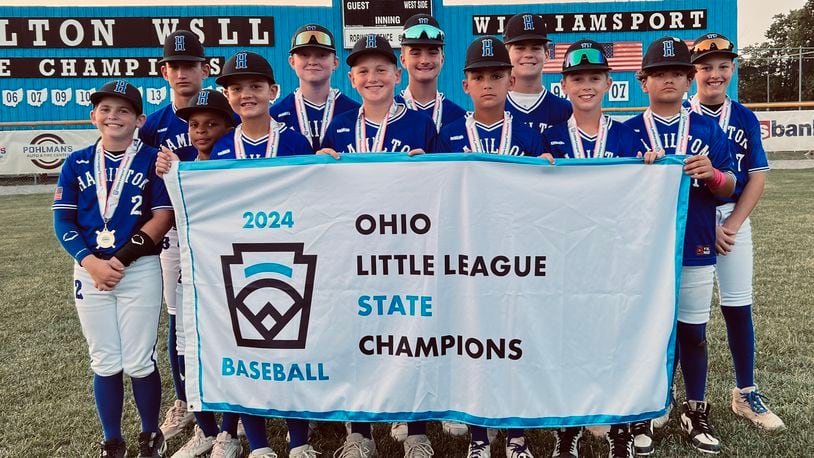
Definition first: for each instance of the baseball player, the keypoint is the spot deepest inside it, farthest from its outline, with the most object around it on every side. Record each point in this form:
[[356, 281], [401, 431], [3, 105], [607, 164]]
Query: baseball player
[[312, 106], [422, 55], [528, 101], [209, 117], [110, 214], [184, 67], [380, 125], [249, 83], [714, 58], [666, 76], [490, 129]]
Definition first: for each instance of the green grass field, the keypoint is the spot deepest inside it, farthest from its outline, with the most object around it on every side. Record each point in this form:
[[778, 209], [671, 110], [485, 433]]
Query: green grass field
[[45, 380]]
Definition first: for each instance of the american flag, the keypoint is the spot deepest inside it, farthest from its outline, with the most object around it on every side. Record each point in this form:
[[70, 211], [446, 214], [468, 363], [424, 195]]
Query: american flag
[[624, 56]]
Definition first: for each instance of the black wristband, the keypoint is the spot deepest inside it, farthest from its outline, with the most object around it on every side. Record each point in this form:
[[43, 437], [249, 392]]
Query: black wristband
[[140, 244]]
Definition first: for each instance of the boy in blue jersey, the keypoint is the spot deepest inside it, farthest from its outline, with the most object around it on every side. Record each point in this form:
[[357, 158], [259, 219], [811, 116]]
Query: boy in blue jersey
[[528, 101], [489, 129], [666, 76], [110, 214], [311, 107], [249, 83], [209, 117], [184, 67], [380, 124], [422, 55], [714, 59], [588, 133]]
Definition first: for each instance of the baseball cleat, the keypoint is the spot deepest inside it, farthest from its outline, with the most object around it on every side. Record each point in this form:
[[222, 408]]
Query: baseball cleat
[[151, 445], [748, 403], [642, 432], [398, 431], [478, 449], [114, 448], [265, 452], [620, 442], [227, 446], [356, 446], [454, 429], [198, 445], [695, 422], [517, 448], [567, 444], [176, 419], [303, 451], [418, 446]]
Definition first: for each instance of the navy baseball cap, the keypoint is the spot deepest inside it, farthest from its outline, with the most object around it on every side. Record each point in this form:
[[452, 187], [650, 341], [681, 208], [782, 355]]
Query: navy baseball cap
[[209, 100], [371, 44], [523, 27], [712, 44], [487, 52], [121, 89], [667, 52], [585, 55], [313, 36], [182, 45], [246, 63], [422, 29]]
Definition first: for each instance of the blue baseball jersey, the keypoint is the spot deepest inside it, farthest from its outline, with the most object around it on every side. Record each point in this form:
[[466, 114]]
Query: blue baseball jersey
[[454, 139], [291, 143], [622, 141], [546, 111], [744, 132], [450, 111], [285, 111], [164, 128], [706, 138], [406, 130], [76, 209]]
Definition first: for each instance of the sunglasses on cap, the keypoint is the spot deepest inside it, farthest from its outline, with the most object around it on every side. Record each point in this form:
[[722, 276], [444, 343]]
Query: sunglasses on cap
[[310, 37], [426, 31], [589, 55], [713, 44]]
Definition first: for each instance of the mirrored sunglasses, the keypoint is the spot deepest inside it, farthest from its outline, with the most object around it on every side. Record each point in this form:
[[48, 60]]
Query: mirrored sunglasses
[[311, 37], [713, 44], [588, 55], [425, 31]]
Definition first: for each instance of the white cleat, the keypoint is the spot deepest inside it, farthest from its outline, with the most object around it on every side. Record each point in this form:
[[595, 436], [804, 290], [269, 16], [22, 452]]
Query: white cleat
[[176, 420], [198, 445]]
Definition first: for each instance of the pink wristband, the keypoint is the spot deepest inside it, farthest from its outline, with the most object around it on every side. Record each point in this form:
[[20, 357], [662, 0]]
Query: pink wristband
[[717, 182]]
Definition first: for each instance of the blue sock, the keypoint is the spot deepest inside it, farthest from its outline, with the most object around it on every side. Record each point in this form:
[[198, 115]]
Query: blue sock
[[361, 428], [479, 434], [206, 421], [255, 431], [693, 356], [109, 394], [416, 427], [147, 391], [741, 335], [177, 382], [181, 391], [229, 423], [514, 433], [298, 430]]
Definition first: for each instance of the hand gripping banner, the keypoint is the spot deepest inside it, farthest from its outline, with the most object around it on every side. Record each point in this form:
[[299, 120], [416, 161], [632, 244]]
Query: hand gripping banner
[[497, 291]]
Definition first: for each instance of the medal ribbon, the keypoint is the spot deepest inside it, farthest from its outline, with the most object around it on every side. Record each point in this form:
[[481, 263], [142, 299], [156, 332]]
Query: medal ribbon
[[378, 140], [683, 132], [437, 108], [271, 143], [726, 110], [601, 138], [108, 204], [505, 135], [302, 114]]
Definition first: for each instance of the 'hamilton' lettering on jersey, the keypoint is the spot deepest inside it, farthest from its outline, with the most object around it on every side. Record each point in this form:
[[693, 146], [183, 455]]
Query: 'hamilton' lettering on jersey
[[165, 128], [622, 141], [406, 130], [455, 139], [543, 111], [134, 178]]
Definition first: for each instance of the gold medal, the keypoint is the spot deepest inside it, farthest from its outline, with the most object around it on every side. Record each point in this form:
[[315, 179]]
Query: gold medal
[[105, 238]]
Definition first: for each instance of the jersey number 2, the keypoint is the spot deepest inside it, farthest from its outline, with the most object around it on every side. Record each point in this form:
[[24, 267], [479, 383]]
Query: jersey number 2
[[136, 201]]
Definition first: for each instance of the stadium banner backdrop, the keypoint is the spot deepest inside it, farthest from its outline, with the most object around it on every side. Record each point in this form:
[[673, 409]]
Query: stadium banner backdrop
[[27, 152], [787, 130], [52, 58], [501, 291]]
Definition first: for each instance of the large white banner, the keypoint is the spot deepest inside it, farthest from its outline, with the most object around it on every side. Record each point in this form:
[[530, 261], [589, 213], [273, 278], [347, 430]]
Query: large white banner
[[25, 152], [489, 290]]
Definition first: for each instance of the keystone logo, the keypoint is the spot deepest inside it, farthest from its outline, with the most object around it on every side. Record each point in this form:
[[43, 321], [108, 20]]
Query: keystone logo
[[268, 291], [772, 128]]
